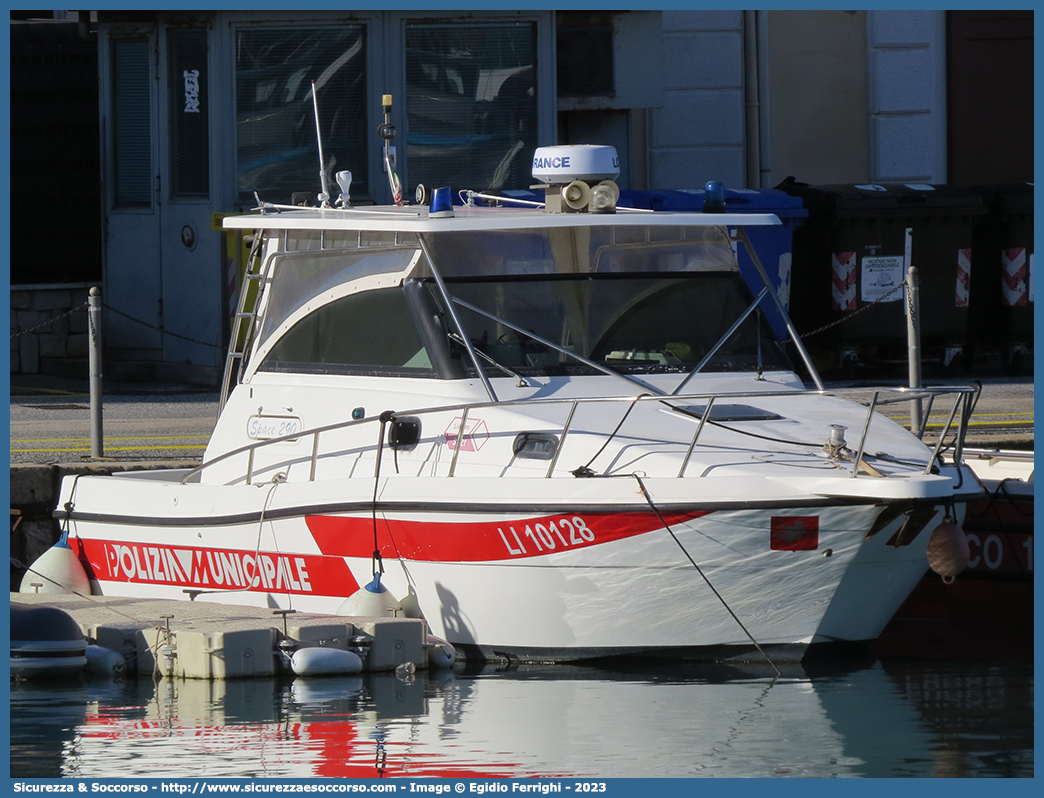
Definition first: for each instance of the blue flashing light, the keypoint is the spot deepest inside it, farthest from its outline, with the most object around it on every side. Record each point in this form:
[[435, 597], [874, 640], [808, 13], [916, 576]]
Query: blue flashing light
[[714, 197], [441, 203]]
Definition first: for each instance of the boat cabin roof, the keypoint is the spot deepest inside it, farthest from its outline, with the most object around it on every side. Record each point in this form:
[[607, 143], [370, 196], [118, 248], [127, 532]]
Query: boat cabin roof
[[416, 219]]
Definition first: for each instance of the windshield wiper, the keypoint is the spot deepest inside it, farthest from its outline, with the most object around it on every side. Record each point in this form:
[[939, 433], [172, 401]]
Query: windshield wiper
[[586, 361], [522, 381]]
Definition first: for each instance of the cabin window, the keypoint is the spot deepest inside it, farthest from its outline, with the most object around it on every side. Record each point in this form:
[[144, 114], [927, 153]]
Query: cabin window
[[371, 332], [471, 104], [301, 281], [276, 142]]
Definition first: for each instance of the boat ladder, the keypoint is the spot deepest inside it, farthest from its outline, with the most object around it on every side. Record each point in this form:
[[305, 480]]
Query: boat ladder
[[244, 326]]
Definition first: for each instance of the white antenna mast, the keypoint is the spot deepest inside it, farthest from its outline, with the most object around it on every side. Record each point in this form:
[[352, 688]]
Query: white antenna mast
[[324, 197]]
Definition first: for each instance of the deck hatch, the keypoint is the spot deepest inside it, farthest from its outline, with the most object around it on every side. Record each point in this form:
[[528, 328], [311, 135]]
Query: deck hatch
[[535, 445], [726, 412]]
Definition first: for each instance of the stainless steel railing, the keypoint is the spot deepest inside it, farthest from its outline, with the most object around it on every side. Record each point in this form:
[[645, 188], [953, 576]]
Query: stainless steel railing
[[956, 422]]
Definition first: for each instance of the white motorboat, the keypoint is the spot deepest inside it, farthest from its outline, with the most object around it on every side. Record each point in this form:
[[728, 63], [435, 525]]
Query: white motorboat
[[554, 433]]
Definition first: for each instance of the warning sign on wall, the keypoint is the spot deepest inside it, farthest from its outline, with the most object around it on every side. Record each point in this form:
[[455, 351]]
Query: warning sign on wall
[[879, 276]]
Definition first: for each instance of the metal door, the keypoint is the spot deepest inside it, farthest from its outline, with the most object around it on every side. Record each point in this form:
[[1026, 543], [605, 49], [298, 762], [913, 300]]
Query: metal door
[[163, 284], [990, 96]]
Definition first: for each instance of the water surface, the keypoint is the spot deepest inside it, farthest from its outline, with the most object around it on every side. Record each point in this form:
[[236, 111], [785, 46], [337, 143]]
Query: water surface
[[891, 719]]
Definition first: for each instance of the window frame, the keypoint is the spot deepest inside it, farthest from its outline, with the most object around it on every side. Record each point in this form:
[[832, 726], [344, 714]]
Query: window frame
[[108, 98], [546, 101], [238, 25], [385, 34]]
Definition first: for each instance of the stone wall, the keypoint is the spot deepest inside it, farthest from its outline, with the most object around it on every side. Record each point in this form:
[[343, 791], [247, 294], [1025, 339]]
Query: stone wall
[[50, 330]]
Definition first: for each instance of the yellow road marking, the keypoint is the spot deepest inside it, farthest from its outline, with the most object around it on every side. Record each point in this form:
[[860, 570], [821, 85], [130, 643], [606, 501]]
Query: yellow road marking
[[21, 391], [125, 438], [114, 448], [1012, 423]]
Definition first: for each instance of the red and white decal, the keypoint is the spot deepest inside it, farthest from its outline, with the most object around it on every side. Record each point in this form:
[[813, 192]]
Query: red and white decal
[[963, 278], [481, 541], [794, 533], [844, 280], [1014, 276], [215, 569], [472, 438]]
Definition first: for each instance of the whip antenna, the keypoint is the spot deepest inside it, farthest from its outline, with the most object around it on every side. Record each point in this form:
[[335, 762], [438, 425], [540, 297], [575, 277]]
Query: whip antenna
[[387, 132], [324, 197]]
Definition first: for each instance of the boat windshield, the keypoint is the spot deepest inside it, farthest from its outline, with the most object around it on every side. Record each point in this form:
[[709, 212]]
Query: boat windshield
[[614, 249], [648, 323], [634, 299]]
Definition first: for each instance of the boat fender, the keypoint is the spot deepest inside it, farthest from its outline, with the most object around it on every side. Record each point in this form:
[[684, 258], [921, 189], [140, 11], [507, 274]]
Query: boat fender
[[948, 552], [373, 600], [441, 654], [46, 642], [325, 691], [410, 605], [102, 661], [319, 661], [57, 570]]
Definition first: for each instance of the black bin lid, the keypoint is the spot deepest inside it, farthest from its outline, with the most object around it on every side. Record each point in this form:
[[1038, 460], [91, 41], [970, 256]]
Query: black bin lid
[[1007, 198], [864, 200]]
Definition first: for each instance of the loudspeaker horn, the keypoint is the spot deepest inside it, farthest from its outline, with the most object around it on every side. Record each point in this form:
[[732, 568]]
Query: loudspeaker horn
[[577, 195]]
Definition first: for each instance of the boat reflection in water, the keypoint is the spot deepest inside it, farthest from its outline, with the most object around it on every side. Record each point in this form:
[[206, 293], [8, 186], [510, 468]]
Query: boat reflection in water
[[881, 721]]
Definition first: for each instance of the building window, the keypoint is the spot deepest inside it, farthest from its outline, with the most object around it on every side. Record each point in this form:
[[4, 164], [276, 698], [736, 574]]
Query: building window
[[277, 149], [471, 104], [584, 43], [189, 113], [131, 123]]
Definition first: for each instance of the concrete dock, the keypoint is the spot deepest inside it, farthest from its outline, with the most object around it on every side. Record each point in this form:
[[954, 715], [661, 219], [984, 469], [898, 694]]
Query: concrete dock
[[204, 640]]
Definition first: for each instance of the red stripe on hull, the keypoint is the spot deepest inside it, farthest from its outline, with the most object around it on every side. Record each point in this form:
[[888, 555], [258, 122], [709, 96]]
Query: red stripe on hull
[[481, 541], [215, 569]]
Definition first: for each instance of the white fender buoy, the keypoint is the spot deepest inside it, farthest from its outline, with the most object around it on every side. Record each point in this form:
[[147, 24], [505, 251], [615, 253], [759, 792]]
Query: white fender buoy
[[46, 642], [325, 662], [948, 552], [440, 653], [322, 691], [411, 606], [57, 570], [102, 661], [373, 600]]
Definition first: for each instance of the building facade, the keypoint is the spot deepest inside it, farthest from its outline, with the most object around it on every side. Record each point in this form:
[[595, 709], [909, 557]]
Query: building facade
[[201, 113]]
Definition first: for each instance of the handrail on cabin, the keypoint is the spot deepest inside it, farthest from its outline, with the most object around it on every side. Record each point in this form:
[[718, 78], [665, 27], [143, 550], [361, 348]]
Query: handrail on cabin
[[961, 411]]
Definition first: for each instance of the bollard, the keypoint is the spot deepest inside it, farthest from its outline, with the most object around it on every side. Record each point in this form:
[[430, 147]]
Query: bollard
[[913, 337], [95, 368]]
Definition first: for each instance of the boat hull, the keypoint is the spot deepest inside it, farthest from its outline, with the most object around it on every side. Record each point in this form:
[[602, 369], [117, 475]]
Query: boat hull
[[589, 570]]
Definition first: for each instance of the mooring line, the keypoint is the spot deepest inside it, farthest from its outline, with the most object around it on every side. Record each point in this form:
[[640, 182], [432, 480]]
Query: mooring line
[[699, 570]]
